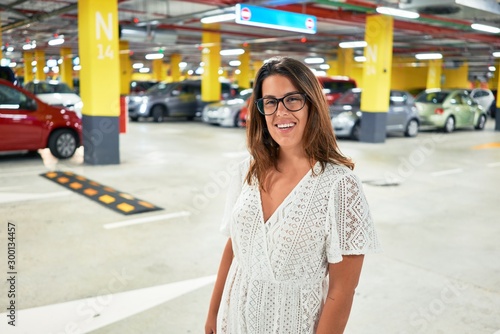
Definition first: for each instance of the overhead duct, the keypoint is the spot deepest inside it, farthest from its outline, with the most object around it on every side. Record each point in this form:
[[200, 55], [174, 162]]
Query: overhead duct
[[444, 7], [148, 34]]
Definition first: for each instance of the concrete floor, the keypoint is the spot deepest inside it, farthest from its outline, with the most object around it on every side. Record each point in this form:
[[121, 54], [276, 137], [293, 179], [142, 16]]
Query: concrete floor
[[434, 199]]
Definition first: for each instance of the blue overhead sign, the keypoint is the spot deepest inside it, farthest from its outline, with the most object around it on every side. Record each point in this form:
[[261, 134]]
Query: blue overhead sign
[[275, 19]]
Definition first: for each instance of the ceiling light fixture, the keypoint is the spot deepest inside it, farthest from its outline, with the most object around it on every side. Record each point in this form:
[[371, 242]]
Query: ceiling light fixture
[[353, 44], [232, 52], [397, 12], [484, 27], [154, 56], [427, 56], [56, 41], [360, 59], [218, 18], [314, 60], [496, 54], [492, 68]]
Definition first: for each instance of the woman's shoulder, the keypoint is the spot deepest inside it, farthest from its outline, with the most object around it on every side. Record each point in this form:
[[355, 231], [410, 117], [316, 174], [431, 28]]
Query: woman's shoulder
[[333, 169]]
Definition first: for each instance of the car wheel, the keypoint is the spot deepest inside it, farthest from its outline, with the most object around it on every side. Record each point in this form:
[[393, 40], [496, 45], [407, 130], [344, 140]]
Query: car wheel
[[411, 128], [493, 109], [236, 122], [355, 131], [134, 118], [480, 122], [157, 113], [190, 118], [449, 125], [63, 143]]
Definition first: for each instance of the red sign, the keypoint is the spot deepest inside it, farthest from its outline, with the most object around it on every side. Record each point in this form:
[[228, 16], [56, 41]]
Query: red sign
[[246, 14], [309, 23]]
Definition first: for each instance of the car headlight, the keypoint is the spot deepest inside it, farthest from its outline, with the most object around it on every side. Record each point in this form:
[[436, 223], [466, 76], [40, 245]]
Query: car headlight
[[226, 111]]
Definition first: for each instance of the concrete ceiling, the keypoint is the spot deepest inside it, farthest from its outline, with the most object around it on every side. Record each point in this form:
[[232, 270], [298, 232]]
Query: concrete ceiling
[[175, 26]]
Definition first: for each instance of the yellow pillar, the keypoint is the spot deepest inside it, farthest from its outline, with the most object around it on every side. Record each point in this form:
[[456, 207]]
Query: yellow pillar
[[40, 64], [28, 67], [333, 69], [345, 61], [175, 71], [66, 66], [98, 43], [210, 56], [256, 65], [158, 69], [377, 71], [166, 70], [125, 68], [434, 73], [244, 76]]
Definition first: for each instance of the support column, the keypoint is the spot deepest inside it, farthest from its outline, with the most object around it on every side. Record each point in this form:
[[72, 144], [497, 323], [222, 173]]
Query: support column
[[334, 67], [125, 68], [256, 65], [158, 70], [345, 61], [175, 71], [66, 66], [434, 73], [99, 80], [40, 64], [497, 112], [244, 76], [376, 78], [210, 56], [28, 67]]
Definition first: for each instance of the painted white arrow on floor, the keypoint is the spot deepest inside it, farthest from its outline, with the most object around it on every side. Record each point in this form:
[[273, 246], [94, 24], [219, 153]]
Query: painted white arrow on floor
[[85, 315]]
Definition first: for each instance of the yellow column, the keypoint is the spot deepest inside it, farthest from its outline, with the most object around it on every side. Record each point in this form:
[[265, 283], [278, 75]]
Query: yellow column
[[345, 61], [377, 71], [66, 66], [28, 68], [158, 69], [434, 73], [256, 65], [334, 67], [125, 68], [175, 71], [98, 43], [244, 76], [210, 56], [166, 70], [40, 64], [497, 112]]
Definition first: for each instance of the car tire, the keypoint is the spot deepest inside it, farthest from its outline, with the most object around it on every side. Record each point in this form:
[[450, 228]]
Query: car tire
[[449, 125], [493, 109], [63, 143], [134, 118], [236, 122], [157, 113], [411, 128], [480, 122], [355, 131]]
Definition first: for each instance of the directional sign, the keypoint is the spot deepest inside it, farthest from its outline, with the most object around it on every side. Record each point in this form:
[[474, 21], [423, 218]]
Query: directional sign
[[275, 19]]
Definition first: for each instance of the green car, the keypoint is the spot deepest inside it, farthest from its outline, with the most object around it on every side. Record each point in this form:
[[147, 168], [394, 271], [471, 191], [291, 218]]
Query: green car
[[449, 109]]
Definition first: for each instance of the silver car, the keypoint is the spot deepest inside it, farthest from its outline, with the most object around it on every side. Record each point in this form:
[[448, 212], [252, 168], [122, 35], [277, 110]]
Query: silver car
[[402, 115], [226, 112]]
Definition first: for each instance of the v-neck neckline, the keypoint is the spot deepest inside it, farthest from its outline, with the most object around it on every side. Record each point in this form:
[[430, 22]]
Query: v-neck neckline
[[285, 200]]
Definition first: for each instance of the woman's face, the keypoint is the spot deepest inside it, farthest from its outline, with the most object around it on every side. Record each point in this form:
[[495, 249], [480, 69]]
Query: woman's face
[[285, 127]]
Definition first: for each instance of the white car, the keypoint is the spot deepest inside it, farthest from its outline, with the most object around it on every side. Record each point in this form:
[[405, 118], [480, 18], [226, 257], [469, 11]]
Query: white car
[[226, 112], [485, 98], [57, 94]]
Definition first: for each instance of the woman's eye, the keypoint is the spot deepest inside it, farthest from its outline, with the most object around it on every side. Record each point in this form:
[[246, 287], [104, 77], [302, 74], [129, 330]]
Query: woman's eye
[[270, 102]]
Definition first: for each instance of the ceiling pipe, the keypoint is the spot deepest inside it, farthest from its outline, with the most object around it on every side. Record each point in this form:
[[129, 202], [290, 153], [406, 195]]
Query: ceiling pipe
[[40, 18]]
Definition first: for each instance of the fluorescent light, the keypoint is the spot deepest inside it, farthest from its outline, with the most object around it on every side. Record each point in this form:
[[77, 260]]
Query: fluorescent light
[[314, 60], [397, 12], [426, 56], [144, 70], [232, 52], [27, 47], [183, 64], [354, 44], [77, 68], [137, 66], [234, 63], [496, 54], [154, 56], [10, 49], [324, 66], [56, 41], [483, 27], [360, 59], [492, 68], [219, 18]]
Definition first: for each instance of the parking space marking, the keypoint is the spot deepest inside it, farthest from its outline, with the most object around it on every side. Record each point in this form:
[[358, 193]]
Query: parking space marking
[[447, 172], [9, 197], [146, 219], [89, 314], [493, 164], [486, 146]]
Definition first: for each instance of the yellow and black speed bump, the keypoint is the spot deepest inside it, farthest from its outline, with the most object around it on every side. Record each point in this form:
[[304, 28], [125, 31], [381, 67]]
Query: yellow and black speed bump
[[107, 196]]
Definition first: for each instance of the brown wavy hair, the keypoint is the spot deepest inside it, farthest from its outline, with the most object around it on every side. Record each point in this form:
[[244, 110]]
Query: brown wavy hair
[[319, 140]]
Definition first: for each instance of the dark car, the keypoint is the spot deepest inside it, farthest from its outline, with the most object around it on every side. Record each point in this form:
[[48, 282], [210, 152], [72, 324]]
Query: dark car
[[335, 86], [173, 99], [402, 115], [27, 123]]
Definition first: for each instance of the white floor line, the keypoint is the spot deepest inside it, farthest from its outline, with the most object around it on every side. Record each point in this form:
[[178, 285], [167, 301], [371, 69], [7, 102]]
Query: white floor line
[[33, 173], [9, 197], [146, 219], [86, 315], [447, 172], [493, 164]]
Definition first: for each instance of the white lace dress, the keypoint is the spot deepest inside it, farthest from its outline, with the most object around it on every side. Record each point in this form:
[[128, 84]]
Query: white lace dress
[[277, 282]]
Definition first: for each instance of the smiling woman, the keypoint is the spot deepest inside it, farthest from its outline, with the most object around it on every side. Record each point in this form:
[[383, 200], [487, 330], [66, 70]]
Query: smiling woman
[[296, 216]]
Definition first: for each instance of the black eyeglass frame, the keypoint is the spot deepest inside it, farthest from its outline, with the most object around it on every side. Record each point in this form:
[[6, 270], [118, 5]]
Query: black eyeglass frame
[[304, 95]]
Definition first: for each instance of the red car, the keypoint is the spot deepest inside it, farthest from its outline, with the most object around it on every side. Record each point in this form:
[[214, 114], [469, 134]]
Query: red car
[[27, 123]]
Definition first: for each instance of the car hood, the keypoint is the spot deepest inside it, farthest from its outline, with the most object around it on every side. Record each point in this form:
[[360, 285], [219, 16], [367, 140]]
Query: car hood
[[65, 99], [228, 103], [339, 109]]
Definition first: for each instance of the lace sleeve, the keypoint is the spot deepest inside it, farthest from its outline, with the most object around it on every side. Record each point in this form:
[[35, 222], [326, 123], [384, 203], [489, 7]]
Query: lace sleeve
[[351, 229], [238, 174]]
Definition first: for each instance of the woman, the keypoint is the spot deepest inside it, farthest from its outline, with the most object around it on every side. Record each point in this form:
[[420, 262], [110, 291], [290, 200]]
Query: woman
[[296, 217]]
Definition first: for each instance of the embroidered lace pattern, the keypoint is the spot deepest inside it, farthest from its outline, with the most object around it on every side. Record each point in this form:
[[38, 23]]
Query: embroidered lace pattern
[[277, 282]]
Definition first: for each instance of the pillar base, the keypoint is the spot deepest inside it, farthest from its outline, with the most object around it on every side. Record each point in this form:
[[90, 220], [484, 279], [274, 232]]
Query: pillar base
[[101, 140], [497, 119], [373, 127]]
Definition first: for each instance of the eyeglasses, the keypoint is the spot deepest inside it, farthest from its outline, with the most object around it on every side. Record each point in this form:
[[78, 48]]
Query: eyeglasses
[[292, 102]]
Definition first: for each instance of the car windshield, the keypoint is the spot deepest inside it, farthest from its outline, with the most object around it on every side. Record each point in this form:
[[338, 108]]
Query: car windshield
[[432, 97], [352, 98], [330, 87], [162, 87], [49, 88]]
